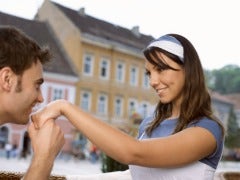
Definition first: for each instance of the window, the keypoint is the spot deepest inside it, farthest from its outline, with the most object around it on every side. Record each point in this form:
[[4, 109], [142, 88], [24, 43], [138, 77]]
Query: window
[[4, 132], [146, 81], [144, 110], [104, 69], [102, 104], [58, 94], [133, 76], [120, 74], [88, 65], [118, 106], [85, 102], [132, 106]]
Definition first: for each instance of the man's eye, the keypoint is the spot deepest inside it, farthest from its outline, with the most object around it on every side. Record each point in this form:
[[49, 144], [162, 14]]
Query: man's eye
[[38, 87]]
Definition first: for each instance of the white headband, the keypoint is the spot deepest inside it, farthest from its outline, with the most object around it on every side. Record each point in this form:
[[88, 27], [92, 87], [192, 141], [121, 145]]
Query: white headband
[[170, 44]]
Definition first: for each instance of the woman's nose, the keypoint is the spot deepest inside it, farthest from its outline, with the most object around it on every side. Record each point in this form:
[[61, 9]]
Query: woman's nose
[[153, 81]]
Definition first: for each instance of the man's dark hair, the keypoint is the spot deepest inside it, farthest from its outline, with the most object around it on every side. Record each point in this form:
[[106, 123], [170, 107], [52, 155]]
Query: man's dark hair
[[18, 51]]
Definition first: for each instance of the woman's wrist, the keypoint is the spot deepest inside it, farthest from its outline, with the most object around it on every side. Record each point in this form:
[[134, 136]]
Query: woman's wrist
[[63, 106]]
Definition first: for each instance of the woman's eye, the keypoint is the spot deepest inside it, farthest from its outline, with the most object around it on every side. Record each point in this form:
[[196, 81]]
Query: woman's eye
[[147, 73], [161, 69]]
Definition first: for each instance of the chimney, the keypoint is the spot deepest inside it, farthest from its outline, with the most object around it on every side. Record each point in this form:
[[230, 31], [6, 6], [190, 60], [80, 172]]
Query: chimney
[[135, 31], [81, 11]]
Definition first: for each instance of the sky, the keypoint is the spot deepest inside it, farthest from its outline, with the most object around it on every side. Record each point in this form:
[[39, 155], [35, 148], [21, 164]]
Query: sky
[[212, 26]]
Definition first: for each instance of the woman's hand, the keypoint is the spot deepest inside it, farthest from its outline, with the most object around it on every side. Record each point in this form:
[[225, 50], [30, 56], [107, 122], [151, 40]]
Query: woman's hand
[[49, 112]]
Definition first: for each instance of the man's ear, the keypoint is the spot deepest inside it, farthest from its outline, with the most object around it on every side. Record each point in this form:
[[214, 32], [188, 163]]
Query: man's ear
[[6, 78]]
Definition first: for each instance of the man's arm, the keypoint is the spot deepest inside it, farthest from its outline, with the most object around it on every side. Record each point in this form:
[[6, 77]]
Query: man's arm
[[46, 143]]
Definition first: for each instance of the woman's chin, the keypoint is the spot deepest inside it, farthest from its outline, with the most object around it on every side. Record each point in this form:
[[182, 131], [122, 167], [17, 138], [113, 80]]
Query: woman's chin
[[164, 101]]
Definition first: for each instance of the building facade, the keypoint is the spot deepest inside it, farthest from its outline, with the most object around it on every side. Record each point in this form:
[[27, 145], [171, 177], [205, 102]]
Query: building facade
[[112, 85]]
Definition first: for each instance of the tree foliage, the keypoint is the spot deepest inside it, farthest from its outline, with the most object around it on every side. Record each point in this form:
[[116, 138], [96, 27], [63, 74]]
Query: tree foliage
[[233, 132], [111, 165], [225, 80]]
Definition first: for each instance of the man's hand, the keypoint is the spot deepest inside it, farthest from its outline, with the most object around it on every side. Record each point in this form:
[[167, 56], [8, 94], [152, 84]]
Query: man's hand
[[46, 143]]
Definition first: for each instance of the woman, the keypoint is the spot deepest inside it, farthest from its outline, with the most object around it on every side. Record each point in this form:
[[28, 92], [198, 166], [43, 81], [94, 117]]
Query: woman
[[183, 140]]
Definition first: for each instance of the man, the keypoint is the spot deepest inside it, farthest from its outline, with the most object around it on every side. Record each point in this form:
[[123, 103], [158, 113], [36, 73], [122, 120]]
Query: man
[[21, 76]]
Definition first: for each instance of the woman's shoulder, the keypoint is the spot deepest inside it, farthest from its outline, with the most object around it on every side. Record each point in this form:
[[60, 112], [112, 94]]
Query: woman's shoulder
[[146, 120], [144, 124], [213, 126], [204, 121]]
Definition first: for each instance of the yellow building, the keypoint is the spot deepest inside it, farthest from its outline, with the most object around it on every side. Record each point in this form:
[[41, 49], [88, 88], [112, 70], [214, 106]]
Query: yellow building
[[112, 82]]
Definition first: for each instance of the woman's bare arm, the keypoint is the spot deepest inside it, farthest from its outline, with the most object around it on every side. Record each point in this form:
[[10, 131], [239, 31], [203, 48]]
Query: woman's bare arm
[[181, 148]]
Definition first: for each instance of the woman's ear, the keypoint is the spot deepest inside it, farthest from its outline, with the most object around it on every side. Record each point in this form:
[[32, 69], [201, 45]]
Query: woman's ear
[[6, 78]]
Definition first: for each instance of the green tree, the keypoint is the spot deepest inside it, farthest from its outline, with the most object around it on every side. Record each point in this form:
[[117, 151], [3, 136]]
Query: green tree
[[209, 78], [226, 79], [232, 138], [236, 84], [110, 165]]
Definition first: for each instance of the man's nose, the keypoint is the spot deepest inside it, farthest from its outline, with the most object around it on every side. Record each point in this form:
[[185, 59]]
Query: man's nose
[[40, 97]]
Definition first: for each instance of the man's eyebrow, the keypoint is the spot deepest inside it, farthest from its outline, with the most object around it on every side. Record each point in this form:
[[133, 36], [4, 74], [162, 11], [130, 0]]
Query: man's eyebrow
[[39, 81]]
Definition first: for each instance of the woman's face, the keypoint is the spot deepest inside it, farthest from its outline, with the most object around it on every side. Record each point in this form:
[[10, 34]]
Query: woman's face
[[167, 83]]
